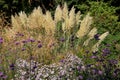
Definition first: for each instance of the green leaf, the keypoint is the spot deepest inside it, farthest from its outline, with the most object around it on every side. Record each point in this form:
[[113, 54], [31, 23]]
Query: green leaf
[[5, 6]]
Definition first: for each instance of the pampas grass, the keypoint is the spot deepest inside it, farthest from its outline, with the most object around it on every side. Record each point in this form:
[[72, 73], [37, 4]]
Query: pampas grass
[[49, 41]]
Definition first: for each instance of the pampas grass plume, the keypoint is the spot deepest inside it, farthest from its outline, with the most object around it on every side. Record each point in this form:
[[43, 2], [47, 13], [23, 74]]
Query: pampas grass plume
[[77, 17], [23, 18], [49, 24], [72, 17], [102, 37], [65, 11], [58, 14], [36, 18], [90, 35], [84, 26]]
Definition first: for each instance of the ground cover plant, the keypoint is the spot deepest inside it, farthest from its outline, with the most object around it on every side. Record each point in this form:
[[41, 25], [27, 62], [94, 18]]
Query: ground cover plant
[[68, 37]]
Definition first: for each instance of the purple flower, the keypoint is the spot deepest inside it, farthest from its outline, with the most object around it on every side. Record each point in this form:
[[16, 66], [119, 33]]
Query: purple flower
[[1, 40], [78, 68], [108, 45], [113, 61], [4, 76], [1, 74], [93, 57], [12, 66], [23, 49], [94, 71], [117, 71], [104, 54], [96, 36], [106, 51], [62, 39], [39, 45], [31, 40], [34, 67], [19, 34], [24, 41], [17, 43], [100, 72], [80, 77], [62, 61]]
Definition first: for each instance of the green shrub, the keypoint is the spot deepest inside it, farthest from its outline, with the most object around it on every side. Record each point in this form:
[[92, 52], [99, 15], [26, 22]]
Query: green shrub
[[104, 16]]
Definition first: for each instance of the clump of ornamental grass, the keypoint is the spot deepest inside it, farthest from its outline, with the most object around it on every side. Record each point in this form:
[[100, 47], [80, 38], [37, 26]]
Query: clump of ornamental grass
[[46, 38]]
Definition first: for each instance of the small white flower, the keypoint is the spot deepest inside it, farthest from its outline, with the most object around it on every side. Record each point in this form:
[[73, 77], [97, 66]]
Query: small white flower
[[46, 75], [52, 72], [83, 67]]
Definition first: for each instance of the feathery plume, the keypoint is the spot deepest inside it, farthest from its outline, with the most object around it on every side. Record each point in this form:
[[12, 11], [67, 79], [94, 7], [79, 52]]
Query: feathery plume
[[16, 24], [102, 37], [72, 17], [78, 16], [90, 35], [58, 14], [23, 18], [49, 24], [69, 20], [84, 26], [65, 11], [36, 18]]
